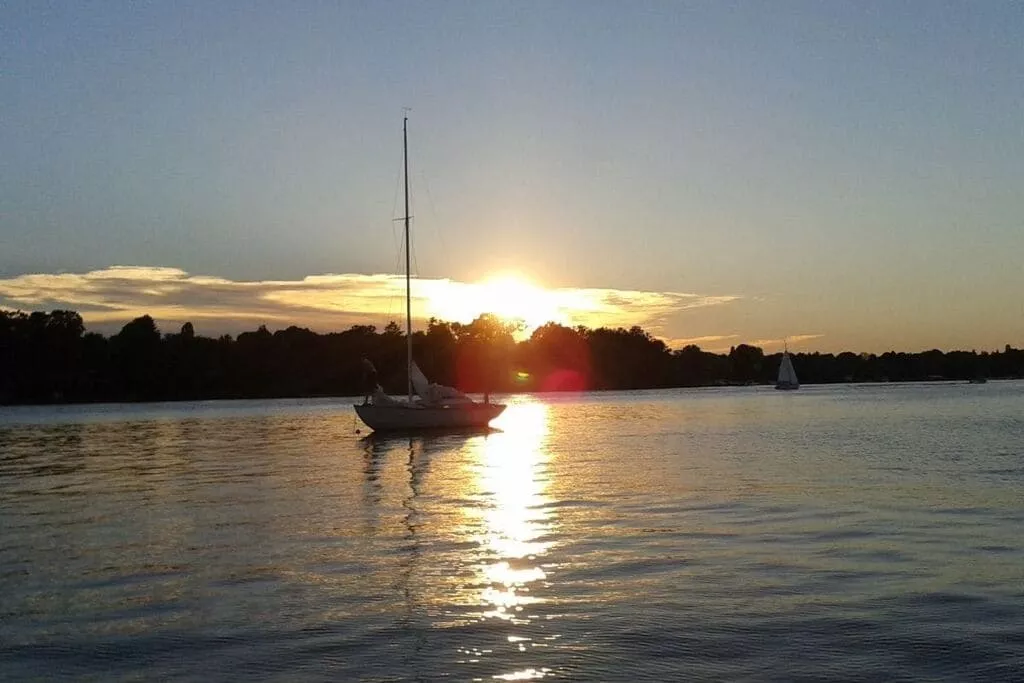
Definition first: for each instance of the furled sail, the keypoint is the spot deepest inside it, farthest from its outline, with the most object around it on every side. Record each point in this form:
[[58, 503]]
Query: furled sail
[[435, 394], [440, 394], [420, 384]]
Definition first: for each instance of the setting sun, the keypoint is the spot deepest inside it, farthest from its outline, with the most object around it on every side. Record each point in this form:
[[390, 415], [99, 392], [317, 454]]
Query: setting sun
[[508, 296]]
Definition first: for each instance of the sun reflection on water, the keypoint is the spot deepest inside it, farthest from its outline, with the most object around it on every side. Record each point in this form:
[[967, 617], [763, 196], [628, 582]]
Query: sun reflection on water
[[513, 477], [514, 524], [523, 675]]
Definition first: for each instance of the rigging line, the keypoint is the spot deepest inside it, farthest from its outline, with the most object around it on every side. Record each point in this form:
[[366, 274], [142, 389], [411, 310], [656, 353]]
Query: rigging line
[[394, 269], [412, 223], [437, 222], [395, 240], [394, 206], [397, 268], [409, 199], [415, 262], [412, 242]]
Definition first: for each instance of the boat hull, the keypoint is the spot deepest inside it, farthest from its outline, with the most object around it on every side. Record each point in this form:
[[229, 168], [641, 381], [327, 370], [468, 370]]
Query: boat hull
[[405, 418], [784, 386]]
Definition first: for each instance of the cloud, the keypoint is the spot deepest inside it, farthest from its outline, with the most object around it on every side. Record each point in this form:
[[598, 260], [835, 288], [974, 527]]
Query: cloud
[[111, 296], [707, 338], [711, 338], [708, 342], [793, 340]]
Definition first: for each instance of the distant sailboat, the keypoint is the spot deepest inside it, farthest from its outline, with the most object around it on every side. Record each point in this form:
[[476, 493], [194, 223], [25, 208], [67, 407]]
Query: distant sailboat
[[787, 375]]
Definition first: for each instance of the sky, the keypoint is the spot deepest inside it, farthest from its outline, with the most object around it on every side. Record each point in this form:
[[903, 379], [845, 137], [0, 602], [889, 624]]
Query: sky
[[847, 176]]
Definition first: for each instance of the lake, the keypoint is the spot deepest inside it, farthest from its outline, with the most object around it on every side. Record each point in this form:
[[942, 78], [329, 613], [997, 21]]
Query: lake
[[854, 533]]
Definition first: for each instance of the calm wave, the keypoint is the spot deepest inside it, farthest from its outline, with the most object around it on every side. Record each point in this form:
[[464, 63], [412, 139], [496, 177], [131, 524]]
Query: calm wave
[[869, 533]]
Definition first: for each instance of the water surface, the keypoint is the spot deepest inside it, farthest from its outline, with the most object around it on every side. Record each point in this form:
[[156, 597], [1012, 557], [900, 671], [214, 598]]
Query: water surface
[[863, 532]]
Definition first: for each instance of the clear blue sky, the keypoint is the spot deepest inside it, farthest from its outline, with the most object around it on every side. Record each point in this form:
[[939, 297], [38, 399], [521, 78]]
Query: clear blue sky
[[850, 170]]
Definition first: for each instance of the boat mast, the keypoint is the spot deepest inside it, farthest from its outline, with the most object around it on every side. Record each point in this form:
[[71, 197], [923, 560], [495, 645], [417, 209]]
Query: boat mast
[[408, 286]]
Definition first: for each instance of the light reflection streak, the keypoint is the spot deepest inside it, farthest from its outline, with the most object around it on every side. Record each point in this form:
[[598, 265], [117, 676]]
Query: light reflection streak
[[512, 504], [523, 675], [510, 531], [513, 478]]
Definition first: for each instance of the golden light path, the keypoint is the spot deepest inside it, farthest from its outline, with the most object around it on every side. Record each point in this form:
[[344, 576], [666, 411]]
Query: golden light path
[[513, 478]]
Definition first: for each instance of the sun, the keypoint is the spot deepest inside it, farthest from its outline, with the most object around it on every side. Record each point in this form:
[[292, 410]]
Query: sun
[[515, 298], [509, 296]]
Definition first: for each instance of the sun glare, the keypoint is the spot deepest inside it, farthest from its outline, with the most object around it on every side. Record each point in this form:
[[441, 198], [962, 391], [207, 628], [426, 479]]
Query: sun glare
[[511, 297]]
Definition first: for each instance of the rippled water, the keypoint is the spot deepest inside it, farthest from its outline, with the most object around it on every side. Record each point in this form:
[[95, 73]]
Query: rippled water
[[868, 533]]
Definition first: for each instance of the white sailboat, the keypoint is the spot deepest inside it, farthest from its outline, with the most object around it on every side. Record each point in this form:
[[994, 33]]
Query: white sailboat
[[428, 406], [787, 375]]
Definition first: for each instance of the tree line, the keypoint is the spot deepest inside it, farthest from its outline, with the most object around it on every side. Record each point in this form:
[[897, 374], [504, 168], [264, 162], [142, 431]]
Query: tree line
[[48, 357]]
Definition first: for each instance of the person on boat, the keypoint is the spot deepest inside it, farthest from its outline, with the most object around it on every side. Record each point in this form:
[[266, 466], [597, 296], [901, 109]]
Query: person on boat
[[370, 384]]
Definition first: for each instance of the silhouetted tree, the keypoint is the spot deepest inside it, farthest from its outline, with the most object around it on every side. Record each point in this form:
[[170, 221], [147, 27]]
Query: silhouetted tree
[[48, 357], [483, 353], [747, 363], [136, 353], [556, 358]]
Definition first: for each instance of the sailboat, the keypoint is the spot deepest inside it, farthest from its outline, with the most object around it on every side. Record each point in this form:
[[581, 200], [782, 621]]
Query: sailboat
[[787, 375], [427, 406]]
